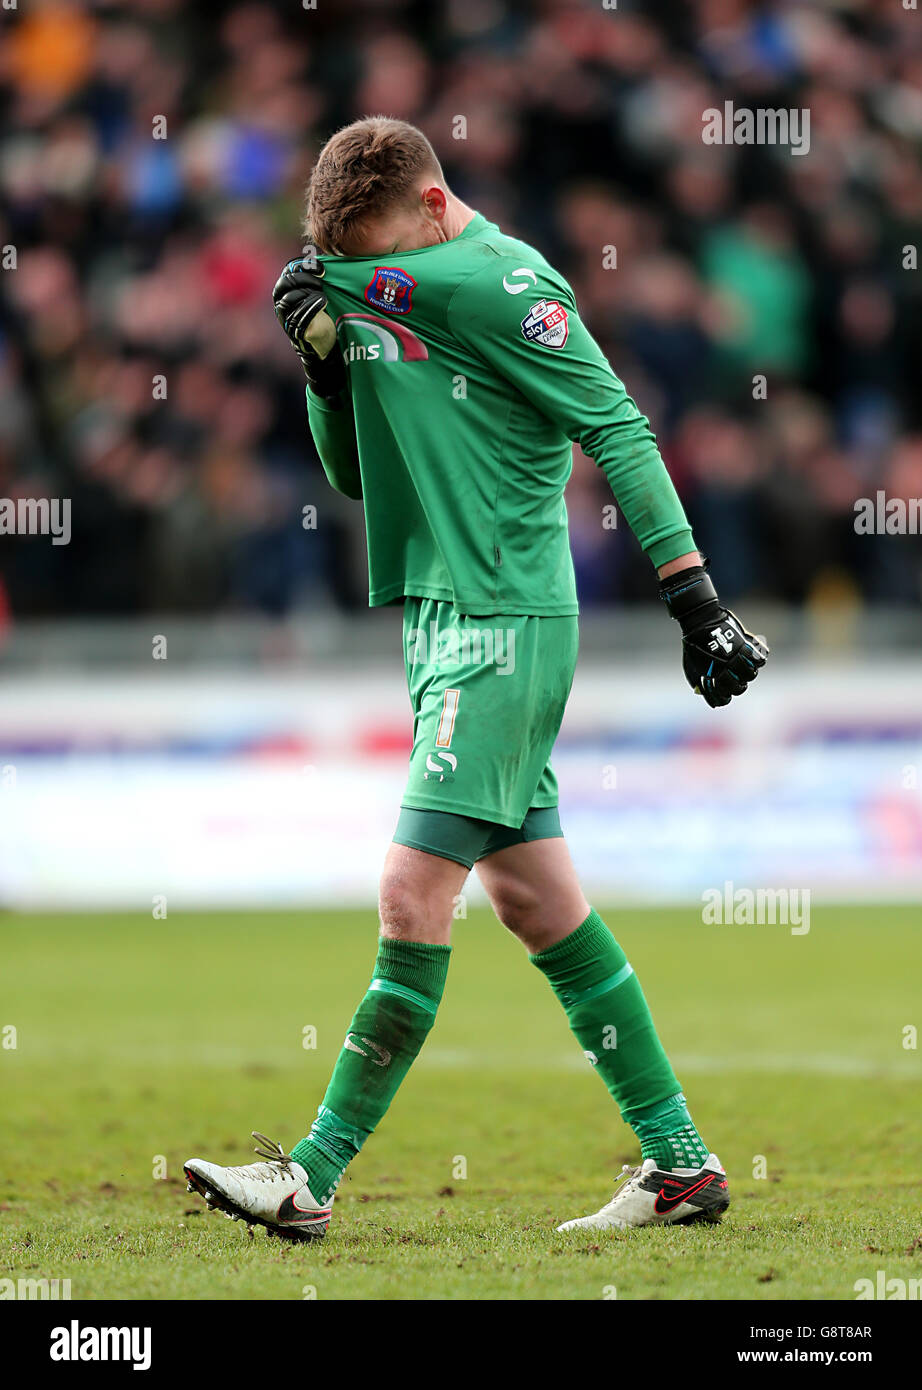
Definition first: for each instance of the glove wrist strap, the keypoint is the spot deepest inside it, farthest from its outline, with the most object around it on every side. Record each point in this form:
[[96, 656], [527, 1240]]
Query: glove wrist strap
[[326, 375], [687, 593]]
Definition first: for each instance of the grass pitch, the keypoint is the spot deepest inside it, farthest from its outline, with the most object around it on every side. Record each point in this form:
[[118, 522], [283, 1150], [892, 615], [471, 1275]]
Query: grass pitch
[[141, 1043]]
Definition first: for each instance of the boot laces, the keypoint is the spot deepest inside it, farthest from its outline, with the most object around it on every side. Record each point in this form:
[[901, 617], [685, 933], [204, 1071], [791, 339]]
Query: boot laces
[[623, 1183], [276, 1164]]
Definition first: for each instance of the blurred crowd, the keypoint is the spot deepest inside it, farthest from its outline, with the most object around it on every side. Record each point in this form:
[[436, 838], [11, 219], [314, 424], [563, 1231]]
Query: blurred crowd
[[760, 306]]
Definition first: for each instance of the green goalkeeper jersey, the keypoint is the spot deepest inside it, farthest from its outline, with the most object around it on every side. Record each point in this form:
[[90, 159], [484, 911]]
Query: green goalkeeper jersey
[[469, 374]]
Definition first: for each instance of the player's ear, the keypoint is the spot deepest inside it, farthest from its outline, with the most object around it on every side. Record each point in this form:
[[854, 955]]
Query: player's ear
[[434, 201]]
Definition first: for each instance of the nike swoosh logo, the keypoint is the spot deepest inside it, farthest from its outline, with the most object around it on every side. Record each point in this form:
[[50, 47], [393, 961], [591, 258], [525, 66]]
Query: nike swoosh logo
[[382, 1052], [665, 1204], [292, 1214]]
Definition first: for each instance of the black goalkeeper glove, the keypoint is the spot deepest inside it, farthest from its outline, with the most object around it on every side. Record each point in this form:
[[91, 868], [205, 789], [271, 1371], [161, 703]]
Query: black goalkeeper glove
[[719, 657], [300, 307]]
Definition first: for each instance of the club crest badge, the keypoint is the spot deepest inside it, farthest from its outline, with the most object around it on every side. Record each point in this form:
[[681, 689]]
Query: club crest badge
[[391, 289], [546, 323]]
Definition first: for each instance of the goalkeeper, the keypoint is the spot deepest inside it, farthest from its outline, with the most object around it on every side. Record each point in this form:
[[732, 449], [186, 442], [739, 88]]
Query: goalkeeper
[[448, 372]]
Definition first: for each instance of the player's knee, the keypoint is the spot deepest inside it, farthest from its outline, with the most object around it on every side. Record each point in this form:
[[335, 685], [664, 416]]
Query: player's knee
[[516, 902], [401, 905]]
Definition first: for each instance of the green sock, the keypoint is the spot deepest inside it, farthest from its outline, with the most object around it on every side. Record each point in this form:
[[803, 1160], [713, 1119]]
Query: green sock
[[607, 1011], [667, 1135], [384, 1038]]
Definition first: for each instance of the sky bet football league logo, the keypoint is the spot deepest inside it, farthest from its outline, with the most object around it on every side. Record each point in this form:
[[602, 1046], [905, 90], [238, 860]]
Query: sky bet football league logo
[[391, 290], [546, 323]]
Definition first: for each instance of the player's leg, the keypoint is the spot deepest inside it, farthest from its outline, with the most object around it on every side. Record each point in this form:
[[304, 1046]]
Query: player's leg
[[416, 898], [534, 890], [292, 1194], [535, 893]]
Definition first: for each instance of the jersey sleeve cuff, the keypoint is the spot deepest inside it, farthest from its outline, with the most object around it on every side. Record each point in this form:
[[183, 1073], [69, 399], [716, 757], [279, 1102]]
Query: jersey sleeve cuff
[[671, 547], [316, 402]]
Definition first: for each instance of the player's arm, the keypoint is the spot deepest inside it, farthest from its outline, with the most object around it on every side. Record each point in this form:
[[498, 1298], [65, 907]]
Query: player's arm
[[568, 378], [300, 307], [334, 437], [550, 356]]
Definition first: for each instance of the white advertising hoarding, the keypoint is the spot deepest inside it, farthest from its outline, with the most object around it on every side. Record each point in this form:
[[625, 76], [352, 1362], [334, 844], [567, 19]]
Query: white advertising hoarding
[[250, 790]]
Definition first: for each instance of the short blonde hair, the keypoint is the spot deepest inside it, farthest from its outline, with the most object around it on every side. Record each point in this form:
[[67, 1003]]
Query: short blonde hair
[[364, 169]]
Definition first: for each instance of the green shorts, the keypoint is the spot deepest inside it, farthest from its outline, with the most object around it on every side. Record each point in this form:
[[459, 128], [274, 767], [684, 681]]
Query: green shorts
[[488, 697], [465, 839]]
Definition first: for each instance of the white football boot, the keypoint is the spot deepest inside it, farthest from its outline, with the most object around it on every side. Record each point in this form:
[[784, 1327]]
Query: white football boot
[[273, 1193], [651, 1196]]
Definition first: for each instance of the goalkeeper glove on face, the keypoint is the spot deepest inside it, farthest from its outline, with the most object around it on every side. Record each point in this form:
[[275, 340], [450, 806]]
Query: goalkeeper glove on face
[[719, 657], [300, 307]]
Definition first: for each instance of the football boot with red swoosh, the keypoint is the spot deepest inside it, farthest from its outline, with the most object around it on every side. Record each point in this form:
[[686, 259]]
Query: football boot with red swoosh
[[651, 1196], [273, 1193]]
